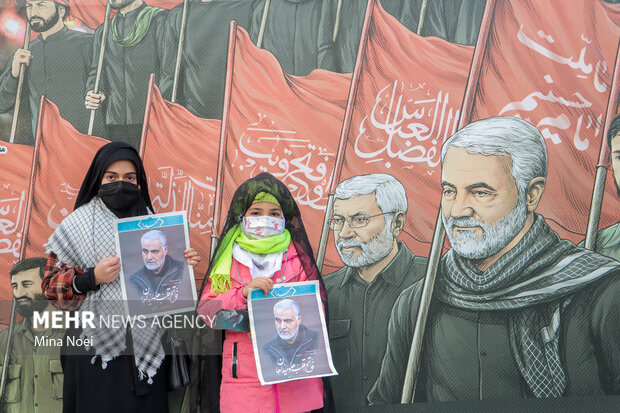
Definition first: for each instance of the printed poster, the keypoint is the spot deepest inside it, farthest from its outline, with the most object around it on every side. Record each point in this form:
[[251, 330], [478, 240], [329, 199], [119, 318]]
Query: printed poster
[[155, 276], [289, 333]]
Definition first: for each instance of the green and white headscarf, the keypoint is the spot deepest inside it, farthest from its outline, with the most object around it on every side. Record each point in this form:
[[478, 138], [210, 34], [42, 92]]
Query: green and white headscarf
[[277, 244]]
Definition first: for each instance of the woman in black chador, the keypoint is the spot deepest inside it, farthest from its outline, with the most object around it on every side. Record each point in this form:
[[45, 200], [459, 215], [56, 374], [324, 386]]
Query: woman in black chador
[[123, 369]]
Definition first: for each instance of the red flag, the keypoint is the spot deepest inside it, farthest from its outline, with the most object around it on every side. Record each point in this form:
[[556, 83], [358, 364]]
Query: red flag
[[92, 12], [62, 158], [559, 80], [180, 159], [282, 124], [405, 104], [16, 164]]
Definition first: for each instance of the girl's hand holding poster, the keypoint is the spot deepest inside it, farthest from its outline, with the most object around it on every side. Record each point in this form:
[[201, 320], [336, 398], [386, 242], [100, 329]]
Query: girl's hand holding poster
[[289, 333]]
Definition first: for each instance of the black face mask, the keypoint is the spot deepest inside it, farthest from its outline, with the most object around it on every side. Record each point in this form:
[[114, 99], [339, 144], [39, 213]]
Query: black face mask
[[120, 195]]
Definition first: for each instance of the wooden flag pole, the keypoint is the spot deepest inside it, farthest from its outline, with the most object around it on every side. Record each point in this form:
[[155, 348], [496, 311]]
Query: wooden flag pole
[[20, 86], [104, 38], [346, 124], [7, 351], [337, 22], [422, 14], [263, 23], [439, 235], [413, 362], [219, 183], [147, 115], [177, 66], [601, 169]]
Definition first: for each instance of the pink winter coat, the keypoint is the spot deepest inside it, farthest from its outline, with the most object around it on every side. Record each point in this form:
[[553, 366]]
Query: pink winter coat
[[244, 393]]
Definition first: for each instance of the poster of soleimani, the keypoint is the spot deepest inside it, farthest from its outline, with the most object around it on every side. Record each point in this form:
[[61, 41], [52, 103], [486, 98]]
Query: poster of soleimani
[[155, 276], [289, 334]]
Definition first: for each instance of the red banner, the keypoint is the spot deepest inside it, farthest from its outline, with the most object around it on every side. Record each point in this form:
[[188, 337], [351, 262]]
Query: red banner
[[180, 159], [62, 158], [559, 80], [407, 102], [16, 164], [91, 12], [282, 124]]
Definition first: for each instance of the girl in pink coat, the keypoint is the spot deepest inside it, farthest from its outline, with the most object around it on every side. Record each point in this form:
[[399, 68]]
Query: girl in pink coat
[[263, 243]]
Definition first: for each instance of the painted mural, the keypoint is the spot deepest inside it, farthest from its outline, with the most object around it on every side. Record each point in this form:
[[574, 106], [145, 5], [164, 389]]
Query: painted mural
[[456, 164]]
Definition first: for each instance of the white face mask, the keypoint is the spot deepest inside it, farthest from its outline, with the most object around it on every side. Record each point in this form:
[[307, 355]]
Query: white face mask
[[262, 227]]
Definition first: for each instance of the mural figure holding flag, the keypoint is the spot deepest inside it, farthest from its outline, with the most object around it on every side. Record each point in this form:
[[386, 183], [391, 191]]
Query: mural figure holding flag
[[457, 21], [37, 366], [517, 312], [132, 53], [293, 30], [203, 65], [608, 239], [57, 63]]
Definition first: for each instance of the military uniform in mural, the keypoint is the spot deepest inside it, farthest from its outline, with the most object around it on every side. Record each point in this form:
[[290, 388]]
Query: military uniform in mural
[[203, 65], [358, 322], [456, 21], [35, 377], [58, 70], [132, 54], [293, 33]]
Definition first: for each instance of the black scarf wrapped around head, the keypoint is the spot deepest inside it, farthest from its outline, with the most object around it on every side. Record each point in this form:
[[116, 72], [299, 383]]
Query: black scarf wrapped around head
[[105, 156]]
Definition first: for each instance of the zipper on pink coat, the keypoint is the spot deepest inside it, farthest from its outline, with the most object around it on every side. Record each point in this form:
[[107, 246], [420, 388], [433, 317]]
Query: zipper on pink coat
[[275, 390]]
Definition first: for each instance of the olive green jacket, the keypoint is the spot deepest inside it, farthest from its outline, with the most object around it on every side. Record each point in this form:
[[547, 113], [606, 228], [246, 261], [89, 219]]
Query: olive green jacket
[[35, 379]]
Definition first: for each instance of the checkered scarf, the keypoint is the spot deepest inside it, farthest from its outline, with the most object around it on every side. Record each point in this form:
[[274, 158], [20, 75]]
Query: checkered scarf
[[535, 279], [81, 240]]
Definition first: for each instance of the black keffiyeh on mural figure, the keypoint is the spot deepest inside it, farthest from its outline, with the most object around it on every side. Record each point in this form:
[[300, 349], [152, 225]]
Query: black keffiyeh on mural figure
[[531, 280], [81, 241]]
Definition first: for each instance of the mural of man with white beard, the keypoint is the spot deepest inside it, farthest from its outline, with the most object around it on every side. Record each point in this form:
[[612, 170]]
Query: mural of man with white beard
[[517, 312], [369, 215]]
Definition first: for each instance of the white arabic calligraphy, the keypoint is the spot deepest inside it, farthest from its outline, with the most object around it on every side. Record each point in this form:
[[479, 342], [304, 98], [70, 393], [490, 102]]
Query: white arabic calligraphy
[[177, 191], [305, 365], [53, 220], [297, 162], [579, 64], [553, 127], [171, 294], [399, 120], [12, 212]]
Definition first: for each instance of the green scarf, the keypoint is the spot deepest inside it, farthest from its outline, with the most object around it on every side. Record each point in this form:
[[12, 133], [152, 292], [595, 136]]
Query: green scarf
[[220, 274], [139, 29]]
